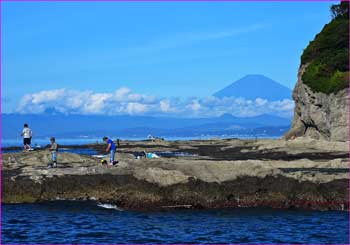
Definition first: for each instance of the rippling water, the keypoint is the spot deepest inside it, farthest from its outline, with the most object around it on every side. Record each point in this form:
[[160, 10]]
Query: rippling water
[[89, 222], [81, 151]]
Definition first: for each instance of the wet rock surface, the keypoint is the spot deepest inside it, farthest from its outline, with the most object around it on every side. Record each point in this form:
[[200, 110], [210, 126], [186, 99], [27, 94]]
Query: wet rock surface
[[302, 173]]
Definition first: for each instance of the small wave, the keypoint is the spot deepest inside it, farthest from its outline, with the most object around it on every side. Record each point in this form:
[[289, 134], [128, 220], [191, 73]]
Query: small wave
[[109, 206], [99, 156]]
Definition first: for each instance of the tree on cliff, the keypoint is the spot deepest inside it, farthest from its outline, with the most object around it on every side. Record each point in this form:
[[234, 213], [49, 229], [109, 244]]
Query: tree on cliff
[[341, 9], [327, 56]]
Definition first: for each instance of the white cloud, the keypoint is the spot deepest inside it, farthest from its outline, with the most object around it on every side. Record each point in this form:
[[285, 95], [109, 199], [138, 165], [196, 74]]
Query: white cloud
[[49, 95], [165, 106], [136, 108], [260, 101], [96, 103], [124, 101], [194, 106], [121, 93]]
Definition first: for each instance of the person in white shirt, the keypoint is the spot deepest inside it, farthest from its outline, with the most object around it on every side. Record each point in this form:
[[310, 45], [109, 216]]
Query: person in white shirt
[[27, 137]]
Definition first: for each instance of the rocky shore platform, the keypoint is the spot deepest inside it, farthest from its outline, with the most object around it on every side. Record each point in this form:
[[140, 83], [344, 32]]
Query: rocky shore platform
[[302, 173]]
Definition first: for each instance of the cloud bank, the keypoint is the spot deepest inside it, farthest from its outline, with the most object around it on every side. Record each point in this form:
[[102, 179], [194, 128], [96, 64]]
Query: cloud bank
[[125, 102]]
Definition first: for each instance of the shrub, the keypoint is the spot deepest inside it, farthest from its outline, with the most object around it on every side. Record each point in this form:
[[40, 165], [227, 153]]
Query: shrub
[[328, 54]]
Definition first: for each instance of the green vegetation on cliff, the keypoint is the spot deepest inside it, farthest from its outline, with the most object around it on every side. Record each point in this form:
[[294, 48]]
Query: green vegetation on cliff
[[328, 54]]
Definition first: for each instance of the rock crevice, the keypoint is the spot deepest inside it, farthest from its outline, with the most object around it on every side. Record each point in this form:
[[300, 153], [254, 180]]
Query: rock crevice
[[318, 115]]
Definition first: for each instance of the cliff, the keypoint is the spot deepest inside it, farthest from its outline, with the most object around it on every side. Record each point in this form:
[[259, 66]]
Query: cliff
[[321, 92], [318, 115]]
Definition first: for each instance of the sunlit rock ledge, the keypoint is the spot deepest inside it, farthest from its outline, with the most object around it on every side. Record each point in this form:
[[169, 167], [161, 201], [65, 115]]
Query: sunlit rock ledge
[[302, 173]]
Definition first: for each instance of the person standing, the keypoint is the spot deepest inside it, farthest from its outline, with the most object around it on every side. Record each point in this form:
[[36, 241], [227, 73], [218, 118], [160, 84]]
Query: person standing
[[111, 149], [53, 149], [27, 137]]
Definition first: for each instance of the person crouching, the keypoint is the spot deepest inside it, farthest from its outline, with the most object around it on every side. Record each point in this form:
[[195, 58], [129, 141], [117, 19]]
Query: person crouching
[[110, 149]]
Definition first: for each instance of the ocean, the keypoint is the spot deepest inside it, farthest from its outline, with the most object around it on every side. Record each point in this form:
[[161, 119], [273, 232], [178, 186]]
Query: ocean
[[92, 222], [41, 142]]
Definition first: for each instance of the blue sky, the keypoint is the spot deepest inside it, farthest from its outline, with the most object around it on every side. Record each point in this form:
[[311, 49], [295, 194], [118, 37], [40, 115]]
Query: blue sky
[[163, 49]]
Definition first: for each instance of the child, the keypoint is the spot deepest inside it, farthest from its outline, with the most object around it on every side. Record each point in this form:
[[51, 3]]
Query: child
[[110, 148], [27, 137], [53, 149]]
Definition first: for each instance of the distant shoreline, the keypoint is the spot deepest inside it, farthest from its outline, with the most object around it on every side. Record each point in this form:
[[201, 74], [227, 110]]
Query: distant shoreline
[[11, 143]]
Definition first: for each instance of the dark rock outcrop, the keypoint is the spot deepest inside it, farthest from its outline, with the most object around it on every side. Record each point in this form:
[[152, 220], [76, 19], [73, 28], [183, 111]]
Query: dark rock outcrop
[[263, 177]]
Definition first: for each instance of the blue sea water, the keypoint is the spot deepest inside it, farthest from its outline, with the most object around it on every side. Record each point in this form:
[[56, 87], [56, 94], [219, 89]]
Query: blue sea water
[[46, 141], [88, 222], [81, 151], [82, 141]]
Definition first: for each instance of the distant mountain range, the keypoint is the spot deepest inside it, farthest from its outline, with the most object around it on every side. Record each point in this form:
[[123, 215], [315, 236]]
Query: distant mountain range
[[59, 125], [54, 123], [256, 86]]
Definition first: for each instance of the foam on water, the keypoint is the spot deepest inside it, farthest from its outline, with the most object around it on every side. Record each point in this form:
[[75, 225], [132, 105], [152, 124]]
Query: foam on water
[[109, 206]]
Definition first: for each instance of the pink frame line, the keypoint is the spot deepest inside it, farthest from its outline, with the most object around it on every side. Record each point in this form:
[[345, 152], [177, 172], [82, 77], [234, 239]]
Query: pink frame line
[[348, 102], [348, 123], [170, 0], [0, 123]]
